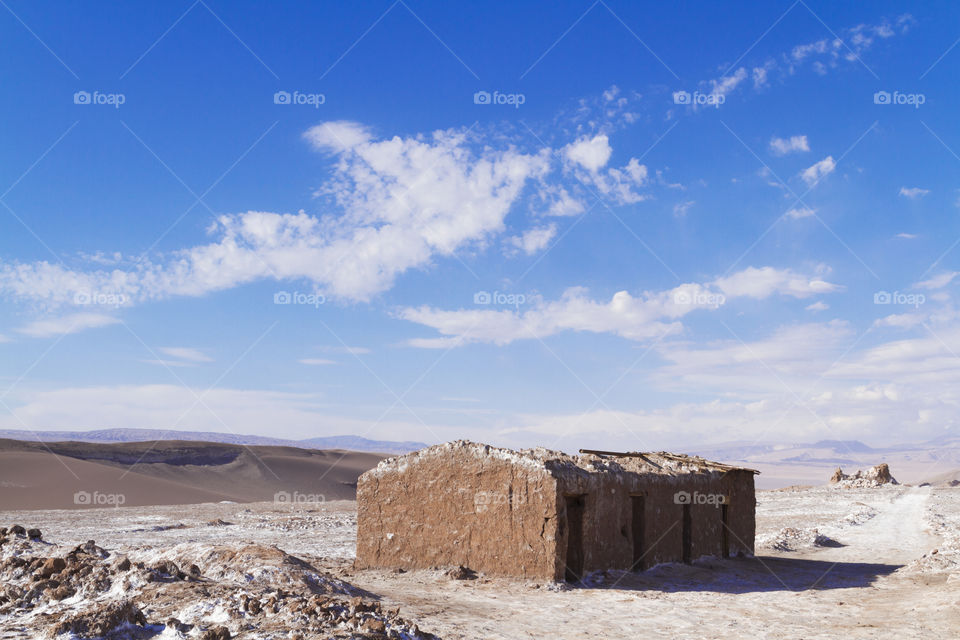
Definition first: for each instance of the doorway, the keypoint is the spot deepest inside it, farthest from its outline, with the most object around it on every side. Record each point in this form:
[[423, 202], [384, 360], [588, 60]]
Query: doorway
[[725, 533], [637, 525], [574, 568]]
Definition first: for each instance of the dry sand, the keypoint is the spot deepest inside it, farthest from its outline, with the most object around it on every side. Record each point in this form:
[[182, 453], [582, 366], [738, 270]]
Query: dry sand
[[64, 475]]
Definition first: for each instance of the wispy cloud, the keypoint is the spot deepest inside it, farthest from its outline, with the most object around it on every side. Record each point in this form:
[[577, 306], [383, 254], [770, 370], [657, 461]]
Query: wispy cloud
[[913, 192], [816, 172], [793, 144], [73, 323]]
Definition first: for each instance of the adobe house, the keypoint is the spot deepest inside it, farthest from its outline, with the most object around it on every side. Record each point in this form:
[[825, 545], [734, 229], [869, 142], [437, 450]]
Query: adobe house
[[547, 515]]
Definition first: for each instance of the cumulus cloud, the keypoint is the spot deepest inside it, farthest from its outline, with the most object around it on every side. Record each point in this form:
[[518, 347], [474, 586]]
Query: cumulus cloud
[[783, 146], [816, 172], [590, 153], [403, 202]]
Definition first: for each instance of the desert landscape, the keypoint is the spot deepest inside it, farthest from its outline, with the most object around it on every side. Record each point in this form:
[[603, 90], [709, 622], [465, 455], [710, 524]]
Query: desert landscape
[[853, 558], [440, 320]]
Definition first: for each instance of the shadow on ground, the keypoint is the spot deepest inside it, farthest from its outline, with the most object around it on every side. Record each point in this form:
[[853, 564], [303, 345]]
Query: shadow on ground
[[762, 573]]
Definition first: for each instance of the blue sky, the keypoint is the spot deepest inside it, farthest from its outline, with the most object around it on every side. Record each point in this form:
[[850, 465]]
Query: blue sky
[[563, 224]]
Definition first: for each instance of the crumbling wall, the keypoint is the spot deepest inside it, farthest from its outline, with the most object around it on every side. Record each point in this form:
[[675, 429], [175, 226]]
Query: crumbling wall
[[608, 537], [466, 506]]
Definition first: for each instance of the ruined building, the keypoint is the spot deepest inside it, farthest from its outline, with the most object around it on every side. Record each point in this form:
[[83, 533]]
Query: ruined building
[[547, 515]]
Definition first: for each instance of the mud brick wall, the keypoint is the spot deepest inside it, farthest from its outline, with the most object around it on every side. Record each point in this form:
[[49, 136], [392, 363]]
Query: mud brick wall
[[506, 513], [488, 514]]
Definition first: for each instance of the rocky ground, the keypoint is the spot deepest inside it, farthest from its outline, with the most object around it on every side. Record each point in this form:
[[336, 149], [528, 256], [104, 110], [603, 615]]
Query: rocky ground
[[831, 562]]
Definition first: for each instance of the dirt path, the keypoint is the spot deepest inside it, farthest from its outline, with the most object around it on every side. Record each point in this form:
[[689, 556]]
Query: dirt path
[[896, 535]]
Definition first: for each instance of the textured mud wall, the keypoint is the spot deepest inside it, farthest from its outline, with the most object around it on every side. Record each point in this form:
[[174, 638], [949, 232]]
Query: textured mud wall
[[492, 515], [608, 536], [504, 512]]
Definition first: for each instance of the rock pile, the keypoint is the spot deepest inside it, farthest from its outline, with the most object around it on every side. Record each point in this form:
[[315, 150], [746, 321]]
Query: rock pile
[[256, 590], [873, 477]]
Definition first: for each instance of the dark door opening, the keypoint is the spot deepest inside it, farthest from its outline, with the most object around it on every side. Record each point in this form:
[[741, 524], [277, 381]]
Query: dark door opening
[[574, 569], [725, 533], [637, 504], [687, 534]]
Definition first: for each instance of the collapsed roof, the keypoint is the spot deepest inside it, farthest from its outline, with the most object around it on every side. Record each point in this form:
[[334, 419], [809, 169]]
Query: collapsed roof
[[589, 460]]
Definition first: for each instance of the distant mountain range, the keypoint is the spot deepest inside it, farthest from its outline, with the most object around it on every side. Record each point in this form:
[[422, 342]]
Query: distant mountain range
[[813, 463], [352, 443]]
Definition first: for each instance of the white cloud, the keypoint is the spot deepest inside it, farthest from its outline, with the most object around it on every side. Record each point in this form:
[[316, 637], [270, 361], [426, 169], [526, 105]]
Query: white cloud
[[907, 236], [814, 173], [4, 338], [403, 202], [560, 202], [532, 240], [819, 305], [783, 146], [913, 192], [647, 316], [725, 85], [186, 353], [763, 282], [170, 363], [73, 323], [590, 153], [680, 209], [800, 212], [354, 351], [316, 361], [938, 281]]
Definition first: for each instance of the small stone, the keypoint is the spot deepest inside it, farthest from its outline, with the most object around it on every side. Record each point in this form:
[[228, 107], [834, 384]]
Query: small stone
[[34, 534]]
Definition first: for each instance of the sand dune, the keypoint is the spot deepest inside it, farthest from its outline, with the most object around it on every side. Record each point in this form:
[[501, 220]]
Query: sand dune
[[64, 475]]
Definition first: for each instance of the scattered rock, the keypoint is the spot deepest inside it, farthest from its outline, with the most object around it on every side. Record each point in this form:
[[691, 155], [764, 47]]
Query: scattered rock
[[17, 530], [216, 633], [103, 620], [34, 534], [461, 573]]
